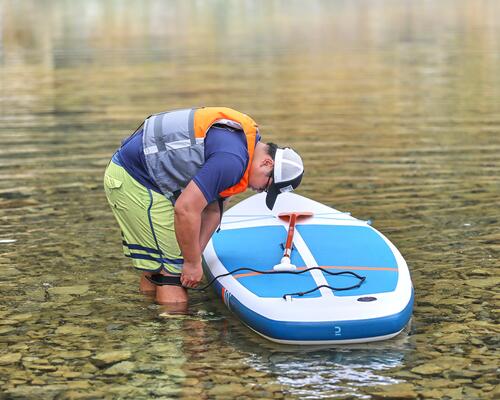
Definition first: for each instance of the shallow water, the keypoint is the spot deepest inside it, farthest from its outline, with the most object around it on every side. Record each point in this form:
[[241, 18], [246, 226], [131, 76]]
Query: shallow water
[[394, 107]]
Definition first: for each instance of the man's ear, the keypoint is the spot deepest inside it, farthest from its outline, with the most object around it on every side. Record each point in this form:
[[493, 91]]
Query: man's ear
[[267, 162]]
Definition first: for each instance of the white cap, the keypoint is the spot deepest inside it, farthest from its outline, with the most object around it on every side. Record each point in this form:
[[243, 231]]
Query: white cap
[[288, 172]]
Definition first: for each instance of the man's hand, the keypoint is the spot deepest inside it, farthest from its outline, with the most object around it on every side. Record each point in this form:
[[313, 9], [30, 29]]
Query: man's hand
[[192, 273]]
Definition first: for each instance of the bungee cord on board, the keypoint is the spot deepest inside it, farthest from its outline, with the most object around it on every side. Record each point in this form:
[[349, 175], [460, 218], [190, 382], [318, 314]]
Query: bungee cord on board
[[161, 280]]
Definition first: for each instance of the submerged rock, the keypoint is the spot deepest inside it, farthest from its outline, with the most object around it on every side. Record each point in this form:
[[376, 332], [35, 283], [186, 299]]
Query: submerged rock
[[23, 317], [456, 393], [452, 338], [480, 272], [397, 391], [432, 394], [66, 372], [11, 358], [111, 357], [69, 290], [428, 369], [231, 390], [82, 395], [69, 355], [89, 368], [6, 329], [69, 329], [483, 282], [122, 368]]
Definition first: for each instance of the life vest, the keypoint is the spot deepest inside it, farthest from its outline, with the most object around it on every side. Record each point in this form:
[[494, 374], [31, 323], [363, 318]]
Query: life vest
[[174, 144]]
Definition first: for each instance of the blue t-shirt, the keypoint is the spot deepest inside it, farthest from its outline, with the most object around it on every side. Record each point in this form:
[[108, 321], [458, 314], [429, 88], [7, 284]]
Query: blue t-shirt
[[226, 159]]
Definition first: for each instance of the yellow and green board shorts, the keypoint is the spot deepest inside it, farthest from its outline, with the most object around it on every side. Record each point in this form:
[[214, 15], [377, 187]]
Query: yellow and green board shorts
[[146, 219]]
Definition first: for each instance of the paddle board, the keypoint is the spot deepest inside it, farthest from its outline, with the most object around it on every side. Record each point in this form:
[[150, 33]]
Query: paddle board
[[251, 239]]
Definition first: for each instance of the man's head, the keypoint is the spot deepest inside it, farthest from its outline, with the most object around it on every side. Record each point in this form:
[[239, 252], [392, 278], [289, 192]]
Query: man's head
[[275, 170]]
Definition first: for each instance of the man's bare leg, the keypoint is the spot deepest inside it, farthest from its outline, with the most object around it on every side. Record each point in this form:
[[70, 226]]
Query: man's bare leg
[[168, 294], [176, 296], [146, 286], [171, 295]]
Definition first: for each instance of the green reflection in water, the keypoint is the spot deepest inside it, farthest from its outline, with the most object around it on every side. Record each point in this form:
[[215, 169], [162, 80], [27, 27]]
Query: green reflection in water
[[394, 107]]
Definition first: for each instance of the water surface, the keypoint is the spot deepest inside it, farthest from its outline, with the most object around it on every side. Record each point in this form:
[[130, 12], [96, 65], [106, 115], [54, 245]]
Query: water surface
[[394, 107]]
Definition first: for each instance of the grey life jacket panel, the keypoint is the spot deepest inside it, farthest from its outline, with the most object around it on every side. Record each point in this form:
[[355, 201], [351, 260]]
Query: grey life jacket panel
[[173, 154]]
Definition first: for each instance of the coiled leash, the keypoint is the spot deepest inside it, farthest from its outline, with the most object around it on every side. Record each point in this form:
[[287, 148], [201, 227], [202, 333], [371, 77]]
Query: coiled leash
[[161, 280]]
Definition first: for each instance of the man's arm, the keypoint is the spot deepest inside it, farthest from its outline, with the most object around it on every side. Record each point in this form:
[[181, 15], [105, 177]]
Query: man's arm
[[188, 216], [210, 220]]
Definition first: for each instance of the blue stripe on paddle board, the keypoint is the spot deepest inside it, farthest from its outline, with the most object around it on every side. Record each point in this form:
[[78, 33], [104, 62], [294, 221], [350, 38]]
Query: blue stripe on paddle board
[[313, 331], [260, 248], [356, 246], [327, 330]]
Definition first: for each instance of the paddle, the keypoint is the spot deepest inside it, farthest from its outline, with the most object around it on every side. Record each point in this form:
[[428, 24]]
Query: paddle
[[285, 264]]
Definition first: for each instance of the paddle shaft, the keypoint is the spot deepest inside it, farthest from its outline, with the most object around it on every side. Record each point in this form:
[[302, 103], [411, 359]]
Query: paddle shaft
[[292, 218], [285, 264], [289, 238]]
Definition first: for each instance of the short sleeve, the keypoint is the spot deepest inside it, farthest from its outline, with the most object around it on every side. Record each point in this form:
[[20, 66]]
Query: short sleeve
[[220, 172]]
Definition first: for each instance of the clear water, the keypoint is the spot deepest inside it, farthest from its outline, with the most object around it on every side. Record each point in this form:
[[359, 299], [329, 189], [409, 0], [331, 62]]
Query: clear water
[[394, 107]]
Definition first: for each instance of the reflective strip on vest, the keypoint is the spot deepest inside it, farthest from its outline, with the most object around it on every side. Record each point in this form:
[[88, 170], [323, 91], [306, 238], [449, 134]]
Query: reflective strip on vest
[[179, 144], [174, 154]]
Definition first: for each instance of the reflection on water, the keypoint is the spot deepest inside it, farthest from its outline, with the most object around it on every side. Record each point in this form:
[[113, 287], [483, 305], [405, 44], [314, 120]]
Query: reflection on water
[[333, 372], [394, 107]]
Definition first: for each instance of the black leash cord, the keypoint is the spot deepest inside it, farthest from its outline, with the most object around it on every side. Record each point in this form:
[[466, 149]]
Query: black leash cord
[[161, 280], [361, 278]]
